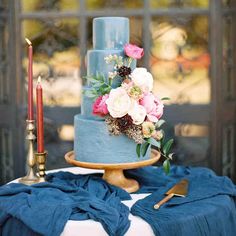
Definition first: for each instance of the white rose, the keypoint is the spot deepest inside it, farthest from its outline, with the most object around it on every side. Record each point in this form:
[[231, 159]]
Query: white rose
[[137, 113], [142, 79], [118, 103]]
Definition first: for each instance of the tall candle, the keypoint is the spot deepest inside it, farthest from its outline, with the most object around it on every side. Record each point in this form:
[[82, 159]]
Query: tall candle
[[39, 105], [30, 81]]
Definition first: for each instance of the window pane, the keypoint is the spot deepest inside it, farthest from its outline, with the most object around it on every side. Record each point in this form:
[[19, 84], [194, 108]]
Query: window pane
[[100, 4], [192, 151], [52, 5], [56, 59], [226, 3], [228, 54], [228, 150], [6, 160], [4, 61], [179, 3], [191, 143], [180, 59]]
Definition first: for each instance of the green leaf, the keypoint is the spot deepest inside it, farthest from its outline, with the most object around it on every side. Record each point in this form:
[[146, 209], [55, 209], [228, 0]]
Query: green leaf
[[144, 148], [154, 142], [109, 81], [100, 77], [96, 85], [165, 98], [166, 166], [138, 149], [92, 80], [106, 90], [170, 156], [163, 139], [167, 146], [160, 123], [90, 93]]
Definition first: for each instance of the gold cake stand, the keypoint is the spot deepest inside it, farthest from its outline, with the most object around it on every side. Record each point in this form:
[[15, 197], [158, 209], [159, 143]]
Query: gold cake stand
[[113, 173]]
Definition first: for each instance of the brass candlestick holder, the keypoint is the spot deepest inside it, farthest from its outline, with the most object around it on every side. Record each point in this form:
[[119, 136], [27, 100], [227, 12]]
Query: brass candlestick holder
[[41, 161], [31, 177]]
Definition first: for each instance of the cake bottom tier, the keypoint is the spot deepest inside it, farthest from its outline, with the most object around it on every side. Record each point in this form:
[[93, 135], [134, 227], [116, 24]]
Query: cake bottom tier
[[93, 143]]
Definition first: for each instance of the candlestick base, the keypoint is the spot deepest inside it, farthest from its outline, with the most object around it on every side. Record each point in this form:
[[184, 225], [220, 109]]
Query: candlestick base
[[41, 161], [31, 177]]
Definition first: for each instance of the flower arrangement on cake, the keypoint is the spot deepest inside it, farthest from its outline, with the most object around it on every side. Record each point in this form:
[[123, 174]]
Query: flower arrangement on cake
[[131, 108]]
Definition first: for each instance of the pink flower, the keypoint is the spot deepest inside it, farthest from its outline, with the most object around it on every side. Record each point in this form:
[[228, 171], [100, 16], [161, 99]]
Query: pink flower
[[154, 107], [100, 106], [133, 51]]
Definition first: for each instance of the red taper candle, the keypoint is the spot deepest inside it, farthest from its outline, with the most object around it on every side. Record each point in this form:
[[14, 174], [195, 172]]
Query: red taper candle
[[39, 105], [30, 81]]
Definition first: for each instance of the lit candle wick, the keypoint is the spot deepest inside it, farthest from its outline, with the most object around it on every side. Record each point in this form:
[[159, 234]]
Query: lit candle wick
[[39, 79], [28, 41]]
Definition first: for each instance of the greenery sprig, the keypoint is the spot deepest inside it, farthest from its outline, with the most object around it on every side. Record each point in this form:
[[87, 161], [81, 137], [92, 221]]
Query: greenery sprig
[[162, 146], [99, 86]]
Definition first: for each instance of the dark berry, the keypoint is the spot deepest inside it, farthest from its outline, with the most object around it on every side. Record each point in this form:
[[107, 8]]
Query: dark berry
[[124, 122], [124, 71]]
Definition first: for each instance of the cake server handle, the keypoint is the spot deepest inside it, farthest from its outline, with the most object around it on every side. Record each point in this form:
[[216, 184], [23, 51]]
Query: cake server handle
[[164, 200]]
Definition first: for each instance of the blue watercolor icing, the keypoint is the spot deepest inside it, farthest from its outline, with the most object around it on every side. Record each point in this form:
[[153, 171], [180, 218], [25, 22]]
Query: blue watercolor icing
[[93, 142], [110, 32]]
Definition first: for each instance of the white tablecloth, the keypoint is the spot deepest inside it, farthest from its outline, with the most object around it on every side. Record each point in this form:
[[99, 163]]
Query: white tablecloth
[[90, 227]]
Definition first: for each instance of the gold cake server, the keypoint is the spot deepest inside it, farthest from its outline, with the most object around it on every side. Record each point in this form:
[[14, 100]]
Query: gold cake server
[[180, 189]]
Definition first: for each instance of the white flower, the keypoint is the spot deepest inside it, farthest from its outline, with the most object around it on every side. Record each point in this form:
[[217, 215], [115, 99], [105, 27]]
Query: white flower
[[137, 113], [106, 59], [142, 79], [118, 103], [112, 74]]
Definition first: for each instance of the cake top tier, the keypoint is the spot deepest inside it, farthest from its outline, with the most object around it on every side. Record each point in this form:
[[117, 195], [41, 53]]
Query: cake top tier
[[110, 32]]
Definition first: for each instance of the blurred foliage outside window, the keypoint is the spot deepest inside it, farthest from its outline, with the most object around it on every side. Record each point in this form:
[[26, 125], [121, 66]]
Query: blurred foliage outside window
[[179, 50]]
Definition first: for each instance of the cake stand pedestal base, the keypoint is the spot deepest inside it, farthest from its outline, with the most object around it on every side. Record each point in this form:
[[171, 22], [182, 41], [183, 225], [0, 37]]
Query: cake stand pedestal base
[[114, 171], [117, 178]]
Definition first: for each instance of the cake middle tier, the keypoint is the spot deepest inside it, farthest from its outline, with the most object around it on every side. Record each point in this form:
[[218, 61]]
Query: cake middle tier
[[96, 63], [93, 143]]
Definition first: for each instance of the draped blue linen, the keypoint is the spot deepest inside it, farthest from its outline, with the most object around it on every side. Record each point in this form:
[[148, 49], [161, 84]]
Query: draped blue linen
[[208, 209], [43, 209], [46, 207]]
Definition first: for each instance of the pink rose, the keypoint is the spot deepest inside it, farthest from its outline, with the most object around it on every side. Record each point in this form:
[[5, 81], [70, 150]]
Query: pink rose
[[154, 107], [100, 106], [133, 51]]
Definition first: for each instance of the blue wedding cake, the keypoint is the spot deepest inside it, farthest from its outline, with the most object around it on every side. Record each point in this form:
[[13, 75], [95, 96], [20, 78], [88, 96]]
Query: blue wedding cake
[[93, 142]]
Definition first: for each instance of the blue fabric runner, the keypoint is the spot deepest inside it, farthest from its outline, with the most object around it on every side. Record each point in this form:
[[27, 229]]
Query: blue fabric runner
[[209, 208], [45, 208]]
